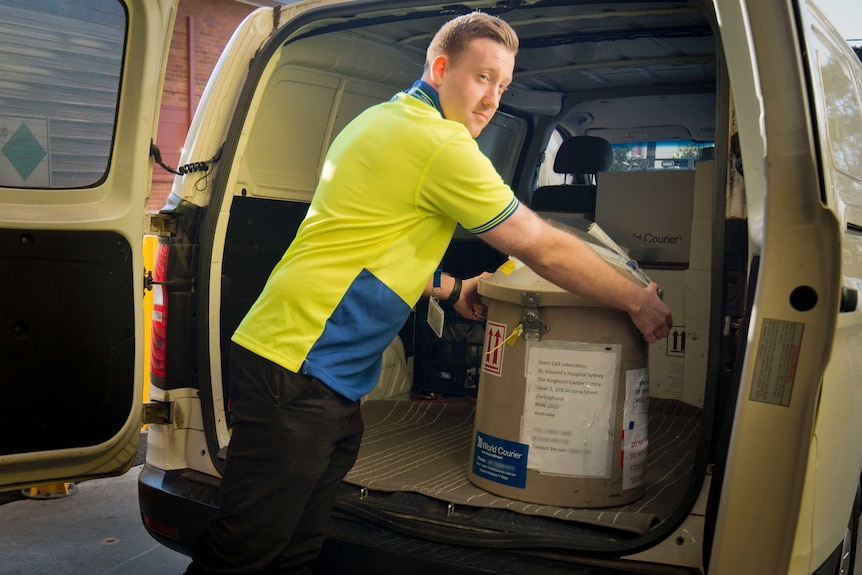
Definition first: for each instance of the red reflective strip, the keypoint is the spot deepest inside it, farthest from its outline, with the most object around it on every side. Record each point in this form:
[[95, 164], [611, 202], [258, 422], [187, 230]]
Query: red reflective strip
[[159, 527]]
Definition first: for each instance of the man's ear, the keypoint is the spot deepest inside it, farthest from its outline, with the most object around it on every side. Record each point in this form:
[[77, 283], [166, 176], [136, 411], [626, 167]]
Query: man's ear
[[439, 67]]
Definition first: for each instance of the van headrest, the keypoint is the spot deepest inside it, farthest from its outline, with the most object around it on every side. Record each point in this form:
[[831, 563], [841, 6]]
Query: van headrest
[[583, 155]]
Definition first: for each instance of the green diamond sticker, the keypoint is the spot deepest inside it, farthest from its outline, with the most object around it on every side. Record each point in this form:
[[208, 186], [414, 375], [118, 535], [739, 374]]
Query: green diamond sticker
[[24, 151]]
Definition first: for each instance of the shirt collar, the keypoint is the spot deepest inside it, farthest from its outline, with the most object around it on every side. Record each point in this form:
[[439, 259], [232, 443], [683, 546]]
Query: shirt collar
[[424, 92]]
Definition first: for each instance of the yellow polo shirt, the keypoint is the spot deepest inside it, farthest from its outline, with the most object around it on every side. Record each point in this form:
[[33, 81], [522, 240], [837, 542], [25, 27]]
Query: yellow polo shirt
[[395, 183]]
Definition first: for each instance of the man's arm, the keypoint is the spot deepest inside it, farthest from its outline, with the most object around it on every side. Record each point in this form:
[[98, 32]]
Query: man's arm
[[569, 263]]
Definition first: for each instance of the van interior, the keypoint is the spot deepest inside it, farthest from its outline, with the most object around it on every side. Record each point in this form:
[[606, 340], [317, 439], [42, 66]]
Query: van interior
[[619, 114]]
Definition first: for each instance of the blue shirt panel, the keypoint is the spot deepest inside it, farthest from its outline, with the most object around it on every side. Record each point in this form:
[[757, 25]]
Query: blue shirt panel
[[349, 353]]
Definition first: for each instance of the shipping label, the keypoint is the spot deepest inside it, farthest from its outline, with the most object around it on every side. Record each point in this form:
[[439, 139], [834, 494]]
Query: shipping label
[[500, 460], [569, 407]]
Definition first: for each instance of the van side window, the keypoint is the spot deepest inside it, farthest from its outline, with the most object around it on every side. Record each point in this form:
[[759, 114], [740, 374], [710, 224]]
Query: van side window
[[501, 142], [633, 156], [658, 155], [547, 175], [59, 89], [843, 115]]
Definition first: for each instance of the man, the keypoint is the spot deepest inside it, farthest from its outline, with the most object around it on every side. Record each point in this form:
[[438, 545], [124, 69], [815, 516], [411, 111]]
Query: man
[[395, 183]]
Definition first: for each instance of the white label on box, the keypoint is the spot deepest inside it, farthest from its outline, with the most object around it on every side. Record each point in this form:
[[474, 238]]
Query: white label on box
[[636, 407], [635, 436], [569, 407]]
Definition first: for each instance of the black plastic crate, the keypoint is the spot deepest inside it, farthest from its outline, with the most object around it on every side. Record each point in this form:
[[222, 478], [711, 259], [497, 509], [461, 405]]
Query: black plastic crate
[[448, 366]]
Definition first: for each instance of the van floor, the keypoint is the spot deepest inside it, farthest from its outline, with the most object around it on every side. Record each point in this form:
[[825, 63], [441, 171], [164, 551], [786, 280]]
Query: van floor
[[416, 453]]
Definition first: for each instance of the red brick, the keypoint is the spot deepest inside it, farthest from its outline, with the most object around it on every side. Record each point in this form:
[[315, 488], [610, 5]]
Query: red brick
[[213, 23]]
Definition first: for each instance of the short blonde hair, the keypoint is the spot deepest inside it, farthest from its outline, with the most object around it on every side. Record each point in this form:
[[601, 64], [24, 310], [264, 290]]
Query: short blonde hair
[[455, 35]]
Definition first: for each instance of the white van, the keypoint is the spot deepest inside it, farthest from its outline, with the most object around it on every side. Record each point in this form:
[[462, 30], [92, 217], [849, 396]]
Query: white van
[[717, 142]]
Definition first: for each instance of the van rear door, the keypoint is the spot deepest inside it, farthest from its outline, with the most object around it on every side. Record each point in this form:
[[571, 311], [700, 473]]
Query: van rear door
[[80, 87], [795, 299]]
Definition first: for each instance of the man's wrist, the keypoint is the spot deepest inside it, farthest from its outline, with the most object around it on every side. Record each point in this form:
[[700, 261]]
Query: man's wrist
[[455, 294]]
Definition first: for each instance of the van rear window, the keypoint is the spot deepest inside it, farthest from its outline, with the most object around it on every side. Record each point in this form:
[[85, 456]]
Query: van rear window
[[632, 156], [59, 87], [663, 155]]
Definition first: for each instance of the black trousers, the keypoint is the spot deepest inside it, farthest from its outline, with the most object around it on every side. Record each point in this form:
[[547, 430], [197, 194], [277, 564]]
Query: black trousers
[[293, 441]]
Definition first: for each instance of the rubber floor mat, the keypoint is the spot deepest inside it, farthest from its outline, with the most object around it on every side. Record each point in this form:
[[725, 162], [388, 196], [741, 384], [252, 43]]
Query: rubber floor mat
[[424, 447]]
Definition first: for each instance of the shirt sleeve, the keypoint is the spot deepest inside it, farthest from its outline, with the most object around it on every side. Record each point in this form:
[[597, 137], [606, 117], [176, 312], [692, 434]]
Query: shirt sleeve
[[462, 183]]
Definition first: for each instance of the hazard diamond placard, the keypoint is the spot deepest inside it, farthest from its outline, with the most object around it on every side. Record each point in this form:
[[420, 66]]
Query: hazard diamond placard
[[23, 152]]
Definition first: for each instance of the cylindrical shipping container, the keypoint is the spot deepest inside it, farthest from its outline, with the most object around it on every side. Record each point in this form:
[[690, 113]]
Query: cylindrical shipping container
[[561, 415]]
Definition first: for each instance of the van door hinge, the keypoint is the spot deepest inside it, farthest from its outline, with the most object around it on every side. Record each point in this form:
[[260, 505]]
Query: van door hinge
[[157, 412], [162, 224]]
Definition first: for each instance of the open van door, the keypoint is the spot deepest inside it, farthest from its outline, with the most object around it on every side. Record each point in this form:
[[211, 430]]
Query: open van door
[[80, 89], [772, 446]]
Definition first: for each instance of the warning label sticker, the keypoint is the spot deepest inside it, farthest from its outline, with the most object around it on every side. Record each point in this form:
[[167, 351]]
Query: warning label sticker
[[495, 337], [24, 152], [635, 438], [777, 358]]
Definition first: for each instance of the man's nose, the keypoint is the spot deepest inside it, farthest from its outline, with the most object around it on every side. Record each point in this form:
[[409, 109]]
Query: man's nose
[[492, 97]]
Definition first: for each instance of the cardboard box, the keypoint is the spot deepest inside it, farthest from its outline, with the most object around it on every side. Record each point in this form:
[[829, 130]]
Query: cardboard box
[[649, 214], [667, 357], [677, 365], [700, 257]]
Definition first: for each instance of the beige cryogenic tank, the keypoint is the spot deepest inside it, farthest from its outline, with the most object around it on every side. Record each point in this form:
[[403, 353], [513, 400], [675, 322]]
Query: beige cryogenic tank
[[561, 416]]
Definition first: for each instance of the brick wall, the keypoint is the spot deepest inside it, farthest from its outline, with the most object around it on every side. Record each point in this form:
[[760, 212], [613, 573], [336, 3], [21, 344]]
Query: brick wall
[[204, 26]]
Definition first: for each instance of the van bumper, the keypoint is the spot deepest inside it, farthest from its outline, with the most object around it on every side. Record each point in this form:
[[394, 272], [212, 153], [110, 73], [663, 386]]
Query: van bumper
[[176, 505], [362, 548]]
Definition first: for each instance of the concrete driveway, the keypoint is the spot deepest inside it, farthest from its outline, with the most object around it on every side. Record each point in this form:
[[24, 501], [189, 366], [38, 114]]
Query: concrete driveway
[[96, 531]]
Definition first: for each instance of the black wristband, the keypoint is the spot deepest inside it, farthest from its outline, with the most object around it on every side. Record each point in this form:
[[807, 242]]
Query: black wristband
[[455, 295]]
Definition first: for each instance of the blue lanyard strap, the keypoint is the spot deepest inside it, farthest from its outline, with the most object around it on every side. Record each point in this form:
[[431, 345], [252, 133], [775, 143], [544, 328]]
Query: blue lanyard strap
[[435, 292]]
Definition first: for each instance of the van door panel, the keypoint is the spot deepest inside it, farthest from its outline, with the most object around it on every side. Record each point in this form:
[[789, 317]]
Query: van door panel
[[77, 115], [64, 361], [795, 300]]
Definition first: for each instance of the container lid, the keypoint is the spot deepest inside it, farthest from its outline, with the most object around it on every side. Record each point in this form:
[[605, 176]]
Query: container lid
[[514, 278]]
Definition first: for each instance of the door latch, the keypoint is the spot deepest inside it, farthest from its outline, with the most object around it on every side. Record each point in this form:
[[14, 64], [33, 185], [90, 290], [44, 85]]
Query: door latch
[[532, 325]]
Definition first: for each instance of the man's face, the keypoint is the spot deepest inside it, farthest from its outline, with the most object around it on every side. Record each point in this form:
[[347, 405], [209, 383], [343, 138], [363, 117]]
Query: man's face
[[470, 90]]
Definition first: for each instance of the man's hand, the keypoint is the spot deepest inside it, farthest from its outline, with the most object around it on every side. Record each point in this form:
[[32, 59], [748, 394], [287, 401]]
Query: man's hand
[[470, 305], [652, 317]]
